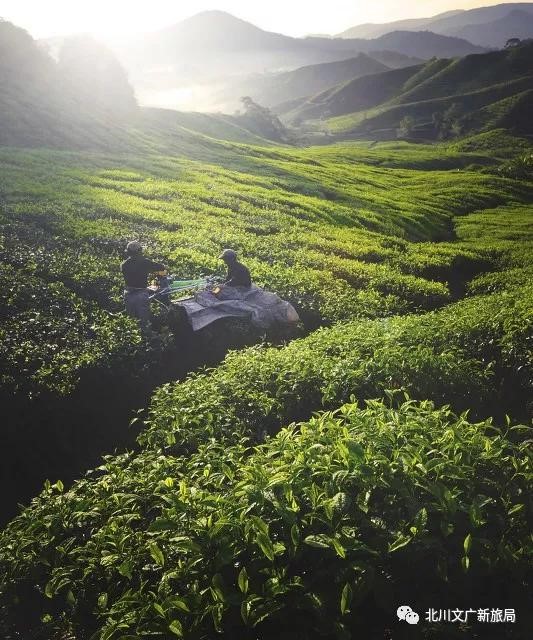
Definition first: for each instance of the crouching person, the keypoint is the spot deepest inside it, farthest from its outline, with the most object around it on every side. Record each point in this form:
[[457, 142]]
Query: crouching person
[[238, 274], [135, 270]]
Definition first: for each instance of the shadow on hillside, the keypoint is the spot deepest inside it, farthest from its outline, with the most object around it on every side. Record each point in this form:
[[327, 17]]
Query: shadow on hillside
[[58, 437]]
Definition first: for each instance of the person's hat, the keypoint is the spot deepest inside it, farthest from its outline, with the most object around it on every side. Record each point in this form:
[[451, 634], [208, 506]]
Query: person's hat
[[228, 254], [134, 247]]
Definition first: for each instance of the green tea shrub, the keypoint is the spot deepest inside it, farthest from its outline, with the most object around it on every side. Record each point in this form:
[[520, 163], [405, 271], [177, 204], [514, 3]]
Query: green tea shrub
[[477, 348], [321, 532], [358, 245], [49, 349]]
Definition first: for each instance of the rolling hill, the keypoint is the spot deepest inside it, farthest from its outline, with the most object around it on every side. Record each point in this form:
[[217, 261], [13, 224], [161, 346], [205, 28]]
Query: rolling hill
[[485, 26], [361, 93], [43, 103], [467, 112], [274, 89], [424, 93], [77, 99], [471, 73]]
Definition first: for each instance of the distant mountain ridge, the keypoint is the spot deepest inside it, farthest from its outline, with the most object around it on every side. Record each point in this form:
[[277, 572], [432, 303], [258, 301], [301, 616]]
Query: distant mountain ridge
[[517, 24], [199, 38], [375, 30], [484, 26], [219, 49]]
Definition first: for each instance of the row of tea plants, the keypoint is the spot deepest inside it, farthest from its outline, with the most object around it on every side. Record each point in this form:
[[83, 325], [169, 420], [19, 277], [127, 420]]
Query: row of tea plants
[[320, 532]]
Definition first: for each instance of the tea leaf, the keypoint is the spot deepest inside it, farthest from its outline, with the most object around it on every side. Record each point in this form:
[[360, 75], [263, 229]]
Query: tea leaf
[[176, 628], [157, 554], [243, 580], [346, 598]]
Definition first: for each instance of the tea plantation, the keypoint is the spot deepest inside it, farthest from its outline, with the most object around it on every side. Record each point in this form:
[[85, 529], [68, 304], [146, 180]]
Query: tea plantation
[[298, 490]]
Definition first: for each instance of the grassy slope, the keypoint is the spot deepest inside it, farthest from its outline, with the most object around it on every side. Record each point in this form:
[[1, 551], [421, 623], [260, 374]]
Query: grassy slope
[[479, 108], [205, 124], [470, 74], [509, 113], [341, 231], [358, 94], [469, 347], [274, 89]]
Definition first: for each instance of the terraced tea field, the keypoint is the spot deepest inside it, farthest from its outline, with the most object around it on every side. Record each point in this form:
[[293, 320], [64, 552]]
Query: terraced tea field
[[410, 266], [342, 232]]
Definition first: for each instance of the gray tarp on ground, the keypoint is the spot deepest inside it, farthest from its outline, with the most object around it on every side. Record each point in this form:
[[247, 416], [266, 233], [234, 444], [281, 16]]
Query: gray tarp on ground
[[262, 308]]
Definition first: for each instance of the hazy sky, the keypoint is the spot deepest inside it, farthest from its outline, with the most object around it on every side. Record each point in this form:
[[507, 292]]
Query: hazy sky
[[43, 18]]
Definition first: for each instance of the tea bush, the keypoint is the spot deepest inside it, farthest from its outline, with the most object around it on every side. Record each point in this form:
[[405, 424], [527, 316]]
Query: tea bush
[[343, 232], [50, 348], [321, 532], [474, 349], [330, 228]]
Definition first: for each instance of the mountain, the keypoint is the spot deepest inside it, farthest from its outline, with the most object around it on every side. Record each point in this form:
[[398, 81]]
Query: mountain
[[424, 44], [449, 25], [213, 31], [207, 54], [516, 24], [273, 89], [485, 26], [210, 41], [372, 30], [464, 91]]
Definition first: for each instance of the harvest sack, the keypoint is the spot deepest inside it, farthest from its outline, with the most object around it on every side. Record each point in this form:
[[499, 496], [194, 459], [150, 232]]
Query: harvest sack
[[262, 308]]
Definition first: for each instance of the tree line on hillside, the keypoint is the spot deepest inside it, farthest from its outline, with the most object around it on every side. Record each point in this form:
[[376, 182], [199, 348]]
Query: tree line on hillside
[[262, 121], [445, 124]]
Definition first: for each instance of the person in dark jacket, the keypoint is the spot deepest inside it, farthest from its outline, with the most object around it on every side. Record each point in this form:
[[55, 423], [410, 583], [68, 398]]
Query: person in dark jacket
[[238, 274], [135, 270]]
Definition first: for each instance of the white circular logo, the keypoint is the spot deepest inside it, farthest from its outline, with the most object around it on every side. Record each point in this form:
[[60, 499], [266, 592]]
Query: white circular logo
[[406, 614]]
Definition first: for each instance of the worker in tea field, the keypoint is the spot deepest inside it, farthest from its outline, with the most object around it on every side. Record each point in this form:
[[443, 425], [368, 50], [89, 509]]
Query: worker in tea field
[[238, 274], [135, 270]]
